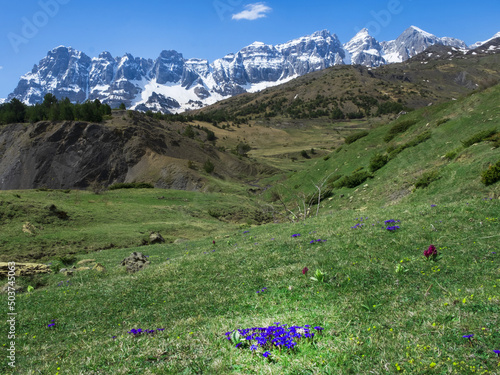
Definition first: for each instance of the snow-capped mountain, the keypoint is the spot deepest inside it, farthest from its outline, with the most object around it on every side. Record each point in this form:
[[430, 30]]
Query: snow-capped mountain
[[172, 83], [479, 44], [364, 50], [413, 41]]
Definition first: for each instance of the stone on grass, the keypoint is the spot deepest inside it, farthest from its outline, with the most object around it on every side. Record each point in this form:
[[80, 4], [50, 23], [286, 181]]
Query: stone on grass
[[156, 237], [135, 262], [99, 267]]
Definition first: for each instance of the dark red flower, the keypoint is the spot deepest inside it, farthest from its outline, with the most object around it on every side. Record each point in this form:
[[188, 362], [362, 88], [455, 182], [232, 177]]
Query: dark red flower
[[431, 251], [213, 242], [304, 271]]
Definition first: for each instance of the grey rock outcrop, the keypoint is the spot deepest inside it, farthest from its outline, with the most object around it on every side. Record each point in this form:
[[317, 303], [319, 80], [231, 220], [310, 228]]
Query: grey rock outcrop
[[135, 262]]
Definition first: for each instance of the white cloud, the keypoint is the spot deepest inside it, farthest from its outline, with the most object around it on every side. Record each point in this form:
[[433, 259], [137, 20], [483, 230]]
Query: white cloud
[[252, 12]]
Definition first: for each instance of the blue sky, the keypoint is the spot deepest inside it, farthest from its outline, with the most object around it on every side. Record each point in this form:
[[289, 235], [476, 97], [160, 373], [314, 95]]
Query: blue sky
[[212, 28]]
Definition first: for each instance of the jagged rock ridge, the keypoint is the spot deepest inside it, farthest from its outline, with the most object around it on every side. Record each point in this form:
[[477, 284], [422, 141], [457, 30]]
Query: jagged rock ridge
[[172, 83]]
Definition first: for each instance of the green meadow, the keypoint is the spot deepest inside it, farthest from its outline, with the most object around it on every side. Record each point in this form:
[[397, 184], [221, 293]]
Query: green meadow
[[355, 268]]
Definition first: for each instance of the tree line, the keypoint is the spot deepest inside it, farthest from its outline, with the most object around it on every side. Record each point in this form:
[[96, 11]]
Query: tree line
[[52, 109]]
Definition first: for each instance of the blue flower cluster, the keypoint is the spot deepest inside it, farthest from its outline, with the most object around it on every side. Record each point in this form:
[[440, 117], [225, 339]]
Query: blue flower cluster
[[392, 228], [296, 235], [392, 221], [360, 223], [275, 336], [51, 324], [139, 331], [262, 290], [316, 241]]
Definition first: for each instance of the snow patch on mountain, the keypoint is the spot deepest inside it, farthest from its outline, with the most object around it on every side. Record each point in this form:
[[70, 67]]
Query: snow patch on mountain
[[479, 44], [172, 84]]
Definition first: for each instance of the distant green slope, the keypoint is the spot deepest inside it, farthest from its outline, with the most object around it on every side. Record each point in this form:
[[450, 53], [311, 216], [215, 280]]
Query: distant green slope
[[453, 168]]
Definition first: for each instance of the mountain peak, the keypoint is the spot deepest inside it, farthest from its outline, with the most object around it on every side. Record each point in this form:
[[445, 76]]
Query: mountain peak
[[321, 33], [420, 31], [363, 31]]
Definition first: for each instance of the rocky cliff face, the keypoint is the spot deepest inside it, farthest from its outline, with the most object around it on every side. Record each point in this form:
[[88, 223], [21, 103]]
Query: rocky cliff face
[[76, 154]]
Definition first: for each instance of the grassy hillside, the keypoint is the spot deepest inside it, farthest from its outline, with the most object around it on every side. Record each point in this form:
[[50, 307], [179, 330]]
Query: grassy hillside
[[454, 170], [377, 303], [383, 306]]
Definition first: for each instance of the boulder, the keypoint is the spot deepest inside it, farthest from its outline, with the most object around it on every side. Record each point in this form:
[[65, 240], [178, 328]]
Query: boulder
[[156, 237], [135, 262], [99, 267]]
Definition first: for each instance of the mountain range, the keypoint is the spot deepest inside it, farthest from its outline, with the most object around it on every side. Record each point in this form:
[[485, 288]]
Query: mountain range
[[172, 84]]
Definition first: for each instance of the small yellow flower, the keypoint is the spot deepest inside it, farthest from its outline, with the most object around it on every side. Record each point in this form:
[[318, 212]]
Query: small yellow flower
[[433, 364]]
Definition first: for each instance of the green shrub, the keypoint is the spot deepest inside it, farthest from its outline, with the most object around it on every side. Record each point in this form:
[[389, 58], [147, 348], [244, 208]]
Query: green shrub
[[242, 149], [189, 132], [450, 155], [426, 179], [478, 137], [399, 128], [414, 142], [131, 185], [327, 157], [491, 175], [353, 180], [442, 121], [304, 154], [389, 107], [419, 139], [378, 161], [208, 166], [338, 150], [333, 179], [354, 137]]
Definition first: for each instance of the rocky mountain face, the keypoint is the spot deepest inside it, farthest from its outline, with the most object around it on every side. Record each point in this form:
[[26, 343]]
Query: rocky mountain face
[[413, 41], [172, 84], [365, 50], [74, 154]]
